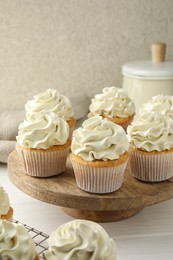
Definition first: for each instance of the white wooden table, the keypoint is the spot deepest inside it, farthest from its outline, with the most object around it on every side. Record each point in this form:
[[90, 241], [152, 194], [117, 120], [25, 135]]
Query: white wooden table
[[145, 236]]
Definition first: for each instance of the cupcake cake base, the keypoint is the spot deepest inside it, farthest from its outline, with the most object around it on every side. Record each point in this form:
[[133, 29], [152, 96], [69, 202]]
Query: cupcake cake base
[[71, 122], [8, 216], [122, 121]]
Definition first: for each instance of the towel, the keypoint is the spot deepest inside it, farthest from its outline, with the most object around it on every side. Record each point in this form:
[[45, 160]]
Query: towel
[[10, 120]]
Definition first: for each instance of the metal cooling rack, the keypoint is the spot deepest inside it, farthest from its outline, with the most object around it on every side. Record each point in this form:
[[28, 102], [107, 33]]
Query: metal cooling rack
[[38, 237]]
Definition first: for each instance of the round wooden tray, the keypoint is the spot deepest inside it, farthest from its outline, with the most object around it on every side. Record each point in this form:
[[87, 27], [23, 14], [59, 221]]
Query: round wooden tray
[[61, 190]]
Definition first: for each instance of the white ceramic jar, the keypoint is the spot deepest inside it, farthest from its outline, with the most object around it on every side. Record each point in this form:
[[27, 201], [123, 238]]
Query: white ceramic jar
[[145, 79]]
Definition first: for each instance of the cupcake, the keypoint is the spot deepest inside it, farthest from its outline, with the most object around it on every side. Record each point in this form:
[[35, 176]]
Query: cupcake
[[51, 101], [80, 240], [99, 155], [114, 104], [15, 242], [151, 147], [160, 103], [6, 212], [43, 145]]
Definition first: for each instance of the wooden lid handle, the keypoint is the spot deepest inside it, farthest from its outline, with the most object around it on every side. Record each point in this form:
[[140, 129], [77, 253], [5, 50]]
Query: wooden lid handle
[[158, 52]]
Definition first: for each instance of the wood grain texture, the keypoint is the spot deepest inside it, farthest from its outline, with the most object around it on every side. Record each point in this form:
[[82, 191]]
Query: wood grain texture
[[158, 52], [61, 190]]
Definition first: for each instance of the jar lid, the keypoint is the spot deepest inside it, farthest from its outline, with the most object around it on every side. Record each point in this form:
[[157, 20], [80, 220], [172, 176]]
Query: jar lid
[[148, 69], [157, 68]]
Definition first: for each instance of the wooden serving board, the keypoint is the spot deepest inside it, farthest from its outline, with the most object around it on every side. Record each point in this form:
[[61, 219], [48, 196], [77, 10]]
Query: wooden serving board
[[61, 190]]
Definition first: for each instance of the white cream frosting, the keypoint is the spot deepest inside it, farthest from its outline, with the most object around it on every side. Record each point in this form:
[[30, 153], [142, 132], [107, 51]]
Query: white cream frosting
[[113, 102], [151, 132], [4, 202], [159, 103], [99, 139], [49, 101], [45, 131], [15, 242], [80, 240]]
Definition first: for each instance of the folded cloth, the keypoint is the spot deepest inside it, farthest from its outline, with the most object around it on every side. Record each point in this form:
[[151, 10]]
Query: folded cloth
[[10, 119], [6, 147]]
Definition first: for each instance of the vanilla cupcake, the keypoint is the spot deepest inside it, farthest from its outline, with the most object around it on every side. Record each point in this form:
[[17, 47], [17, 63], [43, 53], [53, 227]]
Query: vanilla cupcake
[[114, 104], [51, 101], [15, 242], [151, 147], [80, 240], [6, 212], [160, 103], [43, 145], [99, 155]]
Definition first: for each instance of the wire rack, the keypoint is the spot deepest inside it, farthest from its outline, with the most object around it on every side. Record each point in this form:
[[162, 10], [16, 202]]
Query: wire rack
[[38, 237]]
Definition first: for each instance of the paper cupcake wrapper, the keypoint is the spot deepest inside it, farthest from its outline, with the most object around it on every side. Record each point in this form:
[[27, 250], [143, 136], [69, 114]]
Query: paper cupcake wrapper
[[152, 167], [43, 164], [98, 180]]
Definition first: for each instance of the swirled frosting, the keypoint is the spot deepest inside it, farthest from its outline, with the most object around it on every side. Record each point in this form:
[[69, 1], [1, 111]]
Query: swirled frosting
[[159, 103], [15, 242], [99, 139], [113, 102], [4, 202], [45, 131], [49, 101], [151, 132], [80, 240]]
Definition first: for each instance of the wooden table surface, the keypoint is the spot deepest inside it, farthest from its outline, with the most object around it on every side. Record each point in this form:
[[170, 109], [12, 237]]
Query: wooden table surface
[[147, 235]]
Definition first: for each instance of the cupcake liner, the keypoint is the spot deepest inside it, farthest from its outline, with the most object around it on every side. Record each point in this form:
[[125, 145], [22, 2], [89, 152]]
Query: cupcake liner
[[151, 167], [43, 163], [99, 180]]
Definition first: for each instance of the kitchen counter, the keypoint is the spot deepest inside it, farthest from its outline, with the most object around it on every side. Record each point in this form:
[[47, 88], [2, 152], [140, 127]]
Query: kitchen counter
[[147, 235]]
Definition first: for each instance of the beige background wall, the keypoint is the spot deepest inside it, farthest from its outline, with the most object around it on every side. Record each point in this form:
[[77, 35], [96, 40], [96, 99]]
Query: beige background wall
[[75, 45]]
